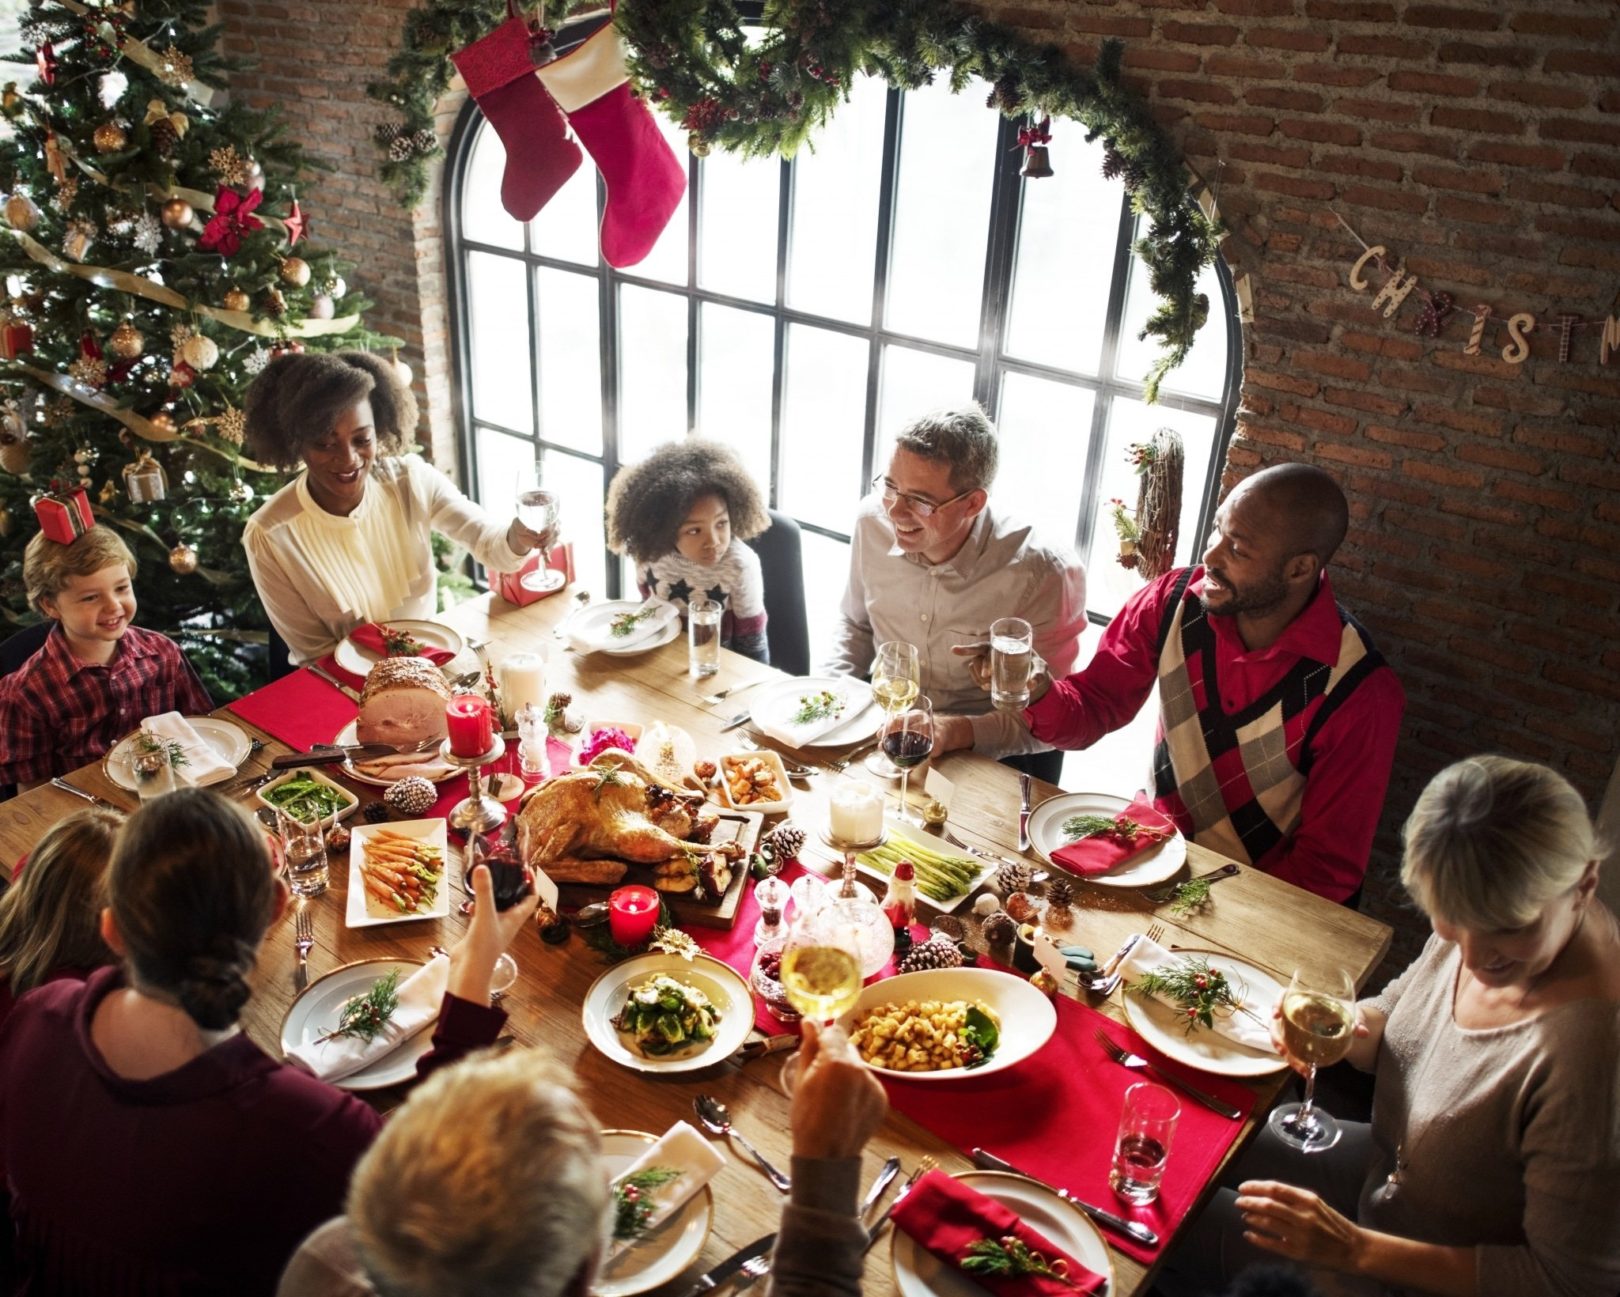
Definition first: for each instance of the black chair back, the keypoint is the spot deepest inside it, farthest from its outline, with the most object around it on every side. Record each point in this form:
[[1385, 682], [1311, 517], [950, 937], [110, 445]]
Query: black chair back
[[14, 651], [787, 627]]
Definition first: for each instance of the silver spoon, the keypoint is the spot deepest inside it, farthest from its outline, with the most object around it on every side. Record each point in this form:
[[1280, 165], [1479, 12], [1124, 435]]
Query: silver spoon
[[715, 1118]]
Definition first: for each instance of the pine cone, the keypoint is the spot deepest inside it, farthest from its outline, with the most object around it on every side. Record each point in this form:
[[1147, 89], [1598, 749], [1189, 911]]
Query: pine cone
[[165, 139], [1013, 877], [1000, 929], [375, 813], [411, 795], [1060, 894], [931, 954], [783, 842]]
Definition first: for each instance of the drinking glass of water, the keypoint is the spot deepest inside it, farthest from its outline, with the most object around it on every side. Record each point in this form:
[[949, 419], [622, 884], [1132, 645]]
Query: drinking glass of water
[[303, 845], [540, 509], [703, 636], [1143, 1144], [1011, 656]]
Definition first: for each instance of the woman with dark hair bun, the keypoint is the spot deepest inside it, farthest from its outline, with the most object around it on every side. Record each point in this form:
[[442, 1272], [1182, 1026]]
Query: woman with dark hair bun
[[150, 1146], [349, 540]]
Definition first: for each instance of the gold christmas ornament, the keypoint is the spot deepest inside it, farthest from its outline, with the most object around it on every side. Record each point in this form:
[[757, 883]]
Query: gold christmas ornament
[[174, 68], [698, 145], [76, 242], [13, 439], [109, 137], [228, 164], [21, 214], [183, 558], [10, 100], [177, 214], [237, 300], [1044, 982], [126, 341], [89, 370], [295, 271], [7, 523], [200, 352], [163, 421], [232, 425], [321, 307], [109, 491]]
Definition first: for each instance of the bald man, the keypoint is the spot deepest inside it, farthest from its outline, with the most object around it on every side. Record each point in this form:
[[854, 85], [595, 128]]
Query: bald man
[[1277, 716]]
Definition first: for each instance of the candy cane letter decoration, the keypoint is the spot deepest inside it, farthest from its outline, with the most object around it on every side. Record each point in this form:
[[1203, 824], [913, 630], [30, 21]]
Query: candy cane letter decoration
[[1517, 326], [1566, 329], [1611, 338], [1357, 280], [1476, 335], [1395, 291]]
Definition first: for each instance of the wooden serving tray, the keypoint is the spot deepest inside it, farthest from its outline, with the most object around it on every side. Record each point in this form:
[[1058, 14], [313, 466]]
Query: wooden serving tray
[[734, 826]]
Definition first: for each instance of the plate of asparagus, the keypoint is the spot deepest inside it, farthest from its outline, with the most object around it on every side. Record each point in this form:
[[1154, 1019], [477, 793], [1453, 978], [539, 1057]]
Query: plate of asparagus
[[945, 878]]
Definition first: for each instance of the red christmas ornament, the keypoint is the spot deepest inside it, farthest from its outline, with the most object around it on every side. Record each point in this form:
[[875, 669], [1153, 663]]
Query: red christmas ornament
[[294, 221], [45, 61], [290, 347], [182, 375], [232, 220], [1035, 134]]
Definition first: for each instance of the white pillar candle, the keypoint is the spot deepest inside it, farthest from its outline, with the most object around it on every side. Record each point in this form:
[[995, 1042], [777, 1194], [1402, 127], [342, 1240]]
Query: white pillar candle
[[523, 682], [855, 813]]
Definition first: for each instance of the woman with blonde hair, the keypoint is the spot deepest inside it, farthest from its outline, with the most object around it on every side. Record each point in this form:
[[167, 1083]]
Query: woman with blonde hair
[[1492, 1162]]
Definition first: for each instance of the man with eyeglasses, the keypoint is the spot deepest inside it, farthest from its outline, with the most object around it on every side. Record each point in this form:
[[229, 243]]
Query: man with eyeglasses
[[933, 564]]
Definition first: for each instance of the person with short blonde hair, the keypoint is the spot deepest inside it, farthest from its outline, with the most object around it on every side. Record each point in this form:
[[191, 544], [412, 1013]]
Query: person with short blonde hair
[[97, 676], [1492, 1162]]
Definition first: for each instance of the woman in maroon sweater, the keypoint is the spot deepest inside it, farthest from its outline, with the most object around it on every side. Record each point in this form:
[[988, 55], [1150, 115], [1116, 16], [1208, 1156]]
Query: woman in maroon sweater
[[149, 1146]]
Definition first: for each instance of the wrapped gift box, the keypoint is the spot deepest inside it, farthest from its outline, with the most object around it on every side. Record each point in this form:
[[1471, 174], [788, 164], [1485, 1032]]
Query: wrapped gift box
[[509, 585], [16, 339], [64, 515]]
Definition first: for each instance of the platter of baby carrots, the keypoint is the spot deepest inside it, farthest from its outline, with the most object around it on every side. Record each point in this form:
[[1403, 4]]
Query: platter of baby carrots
[[397, 872]]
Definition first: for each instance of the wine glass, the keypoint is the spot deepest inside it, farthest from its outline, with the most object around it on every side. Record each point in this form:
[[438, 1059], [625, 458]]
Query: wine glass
[[540, 509], [1318, 1025], [502, 978], [896, 680], [821, 971], [908, 739]]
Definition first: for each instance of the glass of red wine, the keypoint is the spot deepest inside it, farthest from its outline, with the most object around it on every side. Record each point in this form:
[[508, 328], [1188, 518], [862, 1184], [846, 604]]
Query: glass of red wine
[[907, 739]]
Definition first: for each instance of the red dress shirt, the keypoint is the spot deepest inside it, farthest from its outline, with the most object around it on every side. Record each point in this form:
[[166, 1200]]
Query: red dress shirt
[[58, 713], [1351, 755]]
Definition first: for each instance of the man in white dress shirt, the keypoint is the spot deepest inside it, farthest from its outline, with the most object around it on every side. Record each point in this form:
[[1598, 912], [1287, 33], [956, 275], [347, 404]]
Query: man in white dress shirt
[[932, 563]]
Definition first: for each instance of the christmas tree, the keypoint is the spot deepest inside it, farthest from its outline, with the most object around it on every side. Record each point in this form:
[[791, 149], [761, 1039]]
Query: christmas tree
[[155, 261]]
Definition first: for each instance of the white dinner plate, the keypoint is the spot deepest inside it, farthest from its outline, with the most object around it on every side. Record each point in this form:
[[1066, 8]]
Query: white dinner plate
[[919, 1273], [1163, 1027], [725, 987], [1153, 866], [318, 1006], [348, 735], [1027, 1016], [669, 1249], [897, 832], [774, 705], [229, 741], [358, 661], [591, 621], [432, 832]]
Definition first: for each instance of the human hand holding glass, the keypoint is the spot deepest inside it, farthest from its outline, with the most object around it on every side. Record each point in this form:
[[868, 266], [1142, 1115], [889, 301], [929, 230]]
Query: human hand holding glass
[[821, 971], [1318, 1016], [539, 513]]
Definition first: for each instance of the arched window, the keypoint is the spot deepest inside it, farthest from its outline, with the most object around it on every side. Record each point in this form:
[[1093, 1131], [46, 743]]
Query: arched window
[[803, 311]]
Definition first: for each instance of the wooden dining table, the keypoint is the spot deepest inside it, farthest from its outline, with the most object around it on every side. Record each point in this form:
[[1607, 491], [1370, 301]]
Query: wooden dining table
[[1267, 922]]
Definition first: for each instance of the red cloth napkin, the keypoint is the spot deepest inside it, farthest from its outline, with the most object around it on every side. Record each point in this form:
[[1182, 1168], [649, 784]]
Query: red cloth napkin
[[1099, 854], [947, 1217], [370, 636], [1054, 1116], [300, 709]]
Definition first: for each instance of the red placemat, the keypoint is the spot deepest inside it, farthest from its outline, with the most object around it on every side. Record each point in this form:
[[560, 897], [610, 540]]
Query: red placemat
[[300, 709], [1054, 1116]]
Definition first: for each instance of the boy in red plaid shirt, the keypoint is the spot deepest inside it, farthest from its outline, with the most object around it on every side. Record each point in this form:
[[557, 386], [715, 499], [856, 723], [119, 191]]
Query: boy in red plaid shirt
[[97, 676]]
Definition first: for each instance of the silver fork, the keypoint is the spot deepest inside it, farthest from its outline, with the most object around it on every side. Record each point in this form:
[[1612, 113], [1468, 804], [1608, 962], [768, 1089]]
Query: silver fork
[[842, 764], [720, 695], [925, 1164], [1136, 1063], [1159, 895], [303, 942]]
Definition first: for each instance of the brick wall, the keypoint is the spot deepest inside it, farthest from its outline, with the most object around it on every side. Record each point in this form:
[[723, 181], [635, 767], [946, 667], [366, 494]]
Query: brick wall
[[1478, 139]]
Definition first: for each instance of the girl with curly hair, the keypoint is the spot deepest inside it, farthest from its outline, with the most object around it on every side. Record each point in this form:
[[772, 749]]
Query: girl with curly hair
[[349, 541], [677, 514]]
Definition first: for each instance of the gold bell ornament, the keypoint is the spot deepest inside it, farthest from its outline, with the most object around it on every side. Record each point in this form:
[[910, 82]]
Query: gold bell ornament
[[1034, 139], [126, 341]]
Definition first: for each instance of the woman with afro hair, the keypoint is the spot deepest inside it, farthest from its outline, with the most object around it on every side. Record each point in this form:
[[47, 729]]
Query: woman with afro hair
[[678, 514], [349, 540]]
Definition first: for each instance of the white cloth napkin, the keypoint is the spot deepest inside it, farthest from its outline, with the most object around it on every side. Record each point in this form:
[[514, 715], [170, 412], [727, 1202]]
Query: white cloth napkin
[[202, 763], [680, 1148], [784, 729], [1255, 1032], [599, 634], [420, 996]]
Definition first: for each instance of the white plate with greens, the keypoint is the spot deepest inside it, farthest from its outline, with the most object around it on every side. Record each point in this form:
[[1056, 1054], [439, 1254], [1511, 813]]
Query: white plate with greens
[[795, 706], [588, 630], [946, 876], [320, 1004], [723, 986], [1164, 1026], [1047, 834], [229, 741], [669, 1249]]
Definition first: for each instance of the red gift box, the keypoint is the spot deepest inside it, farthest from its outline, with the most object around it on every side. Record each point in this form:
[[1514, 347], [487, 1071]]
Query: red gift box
[[509, 585], [16, 339], [64, 515]]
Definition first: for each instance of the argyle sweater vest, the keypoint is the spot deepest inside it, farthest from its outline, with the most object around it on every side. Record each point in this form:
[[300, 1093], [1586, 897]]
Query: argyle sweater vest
[[1235, 783]]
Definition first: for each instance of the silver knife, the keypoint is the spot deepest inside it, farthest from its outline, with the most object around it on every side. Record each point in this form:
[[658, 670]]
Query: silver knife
[[66, 787], [741, 718], [345, 690], [1025, 786], [891, 1168], [733, 1263], [1140, 1232]]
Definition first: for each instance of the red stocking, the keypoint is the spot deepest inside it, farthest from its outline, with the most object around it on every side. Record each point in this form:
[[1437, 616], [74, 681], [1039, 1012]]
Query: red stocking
[[644, 178], [499, 73]]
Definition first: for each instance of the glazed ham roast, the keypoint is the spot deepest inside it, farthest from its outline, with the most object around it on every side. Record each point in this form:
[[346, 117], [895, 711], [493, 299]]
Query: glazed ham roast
[[402, 704], [589, 825]]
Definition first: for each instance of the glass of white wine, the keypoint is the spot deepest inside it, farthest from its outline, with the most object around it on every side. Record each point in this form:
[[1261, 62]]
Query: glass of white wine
[[821, 971], [540, 509], [1318, 1025], [896, 680]]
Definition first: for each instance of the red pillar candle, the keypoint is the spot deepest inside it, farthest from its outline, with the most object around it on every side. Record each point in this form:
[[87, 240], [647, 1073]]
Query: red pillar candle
[[632, 915], [472, 728]]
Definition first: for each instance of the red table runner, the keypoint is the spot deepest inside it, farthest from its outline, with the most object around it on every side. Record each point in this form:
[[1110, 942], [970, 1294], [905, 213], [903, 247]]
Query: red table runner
[[1054, 1116]]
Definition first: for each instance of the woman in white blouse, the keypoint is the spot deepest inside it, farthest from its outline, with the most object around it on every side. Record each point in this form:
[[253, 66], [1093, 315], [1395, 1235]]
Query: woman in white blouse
[[349, 540]]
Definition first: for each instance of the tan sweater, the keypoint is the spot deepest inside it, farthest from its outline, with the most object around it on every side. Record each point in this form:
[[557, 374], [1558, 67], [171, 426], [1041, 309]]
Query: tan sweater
[[1510, 1135]]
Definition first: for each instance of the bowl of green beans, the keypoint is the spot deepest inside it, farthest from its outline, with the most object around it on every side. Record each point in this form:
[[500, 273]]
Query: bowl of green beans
[[308, 795]]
